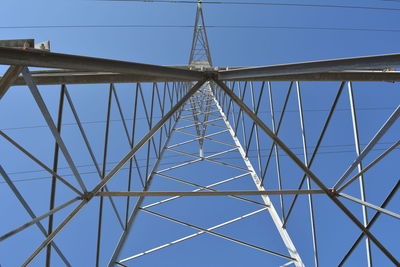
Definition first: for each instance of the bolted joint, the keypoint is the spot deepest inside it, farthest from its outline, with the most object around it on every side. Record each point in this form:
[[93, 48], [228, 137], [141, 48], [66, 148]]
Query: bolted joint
[[211, 75], [87, 196], [333, 191]]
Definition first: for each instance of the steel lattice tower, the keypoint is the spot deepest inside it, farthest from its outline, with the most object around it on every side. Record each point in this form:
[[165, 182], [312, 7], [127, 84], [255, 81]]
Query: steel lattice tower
[[196, 150]]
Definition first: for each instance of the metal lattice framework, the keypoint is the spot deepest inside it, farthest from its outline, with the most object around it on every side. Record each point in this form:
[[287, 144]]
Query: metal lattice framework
[[233, 123]]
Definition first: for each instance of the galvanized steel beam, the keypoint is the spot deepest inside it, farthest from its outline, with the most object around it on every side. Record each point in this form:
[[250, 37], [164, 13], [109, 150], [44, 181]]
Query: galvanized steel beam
[[355, 63], [211, 193], [11, 56], [8, 79]]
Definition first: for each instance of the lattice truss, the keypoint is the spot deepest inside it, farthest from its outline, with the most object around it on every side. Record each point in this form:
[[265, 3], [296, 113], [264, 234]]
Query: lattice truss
[[287, 165]]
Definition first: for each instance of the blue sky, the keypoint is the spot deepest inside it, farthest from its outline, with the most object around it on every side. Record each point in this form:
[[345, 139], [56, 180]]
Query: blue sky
[[229, 47]]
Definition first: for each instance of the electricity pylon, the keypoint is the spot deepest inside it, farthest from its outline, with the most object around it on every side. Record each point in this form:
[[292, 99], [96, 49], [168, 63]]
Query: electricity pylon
[[210, 121]]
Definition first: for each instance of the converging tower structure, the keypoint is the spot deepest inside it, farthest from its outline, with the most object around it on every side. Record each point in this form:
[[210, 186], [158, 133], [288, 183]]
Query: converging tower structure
[[198, 165]]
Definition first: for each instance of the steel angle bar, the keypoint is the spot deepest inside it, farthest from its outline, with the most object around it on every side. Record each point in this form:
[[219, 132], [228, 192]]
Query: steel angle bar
[[287, 264], [355, 63], [320, 138], [377, 76], [171, 104], [264, 172], [221, 153], [184, 142], [133, 139], [212, 113], [216, 125], [113, 171], [208, 189], [243, 123], [212, 160], [103, 173], [205, 122], [207, 48], [192, 235], [202, 137], [371, 222], [191, 162], [37, 219], [218, 234], [195, 117], [93, 78], [207, 113], [233, 113], [241, 96], [217, 119], [200, 99], [87, 77], [132, 143], [174, 97], [132, 217], [31, 213], [55, 167], [200, 123], [369, 205], [188, 126], [195, 139], [46, 114], [228, 100], [121, 113], [147, 137], [197, 156], [186, 119], [187, 109], [271, 209], [89, 148], [179, 165], [8, 79], [52, 235], [276, 149], [199, 189], [149, 118], [161, 103], [221, 142], [360, 167], [83, 133], [41, 164], [226, 164], [10, 56], [386, 126], [152, 139], [196, 107], [255, 110], [305, 153], [191, 115], [307, 171], [162, 109], [212, 193], [258, 145], [383, 155]]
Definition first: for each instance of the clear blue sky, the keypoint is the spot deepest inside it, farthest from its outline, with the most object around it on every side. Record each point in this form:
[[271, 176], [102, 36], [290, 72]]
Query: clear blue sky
[[229, 47]]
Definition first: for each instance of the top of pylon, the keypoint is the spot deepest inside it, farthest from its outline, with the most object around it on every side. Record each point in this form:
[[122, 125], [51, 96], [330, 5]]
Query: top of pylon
[[200, 52]]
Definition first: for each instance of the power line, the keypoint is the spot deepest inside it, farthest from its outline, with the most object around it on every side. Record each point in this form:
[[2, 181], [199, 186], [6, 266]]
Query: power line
[[142, 26], [158, 117], [95, 26], [207, 153], [304, 28], [263, 4], [179, 162]]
